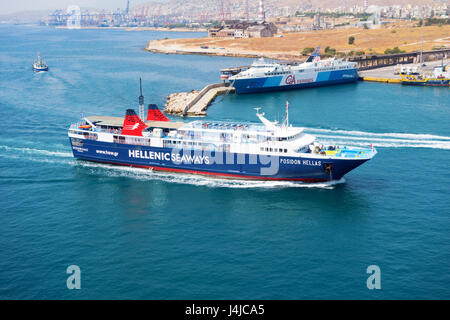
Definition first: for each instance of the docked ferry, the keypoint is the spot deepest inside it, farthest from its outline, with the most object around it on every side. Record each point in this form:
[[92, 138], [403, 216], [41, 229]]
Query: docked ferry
[[263, 76], [265, 151], [40, 65]]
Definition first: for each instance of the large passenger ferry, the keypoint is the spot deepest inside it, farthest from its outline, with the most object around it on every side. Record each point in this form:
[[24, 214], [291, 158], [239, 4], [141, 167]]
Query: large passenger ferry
[[267, 150], [263, 76]]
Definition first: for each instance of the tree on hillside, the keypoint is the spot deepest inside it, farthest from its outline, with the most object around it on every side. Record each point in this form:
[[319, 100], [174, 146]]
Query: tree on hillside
[[351, 40], [307, 51], [329, 52], [393, 51]]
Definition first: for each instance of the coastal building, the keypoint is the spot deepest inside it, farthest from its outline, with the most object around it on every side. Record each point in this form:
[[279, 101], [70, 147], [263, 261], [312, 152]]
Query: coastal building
[[260, 31], [241, 33], [319, 22], [221, 32], [237, 29]]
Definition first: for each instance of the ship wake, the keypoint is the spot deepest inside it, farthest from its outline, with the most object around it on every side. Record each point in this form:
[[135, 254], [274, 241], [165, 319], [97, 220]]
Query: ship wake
[[385, 140], [197, 179], [59, 157]]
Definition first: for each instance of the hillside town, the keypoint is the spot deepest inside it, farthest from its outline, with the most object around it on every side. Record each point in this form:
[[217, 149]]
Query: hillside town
[[262, 18]]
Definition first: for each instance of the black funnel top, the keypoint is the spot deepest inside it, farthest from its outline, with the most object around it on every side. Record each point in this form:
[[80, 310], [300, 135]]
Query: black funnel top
[[131, 112]]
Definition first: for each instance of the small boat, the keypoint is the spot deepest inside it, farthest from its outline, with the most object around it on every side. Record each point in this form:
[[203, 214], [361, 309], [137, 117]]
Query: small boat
[[40, 65], [439, 78]]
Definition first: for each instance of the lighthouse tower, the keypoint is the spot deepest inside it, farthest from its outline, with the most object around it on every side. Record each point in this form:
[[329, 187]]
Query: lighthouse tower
[[261, 13]]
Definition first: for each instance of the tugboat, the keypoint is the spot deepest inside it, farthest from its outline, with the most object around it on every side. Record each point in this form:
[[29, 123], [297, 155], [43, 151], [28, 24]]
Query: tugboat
[[263, 151], [40, 65], [439, 78]]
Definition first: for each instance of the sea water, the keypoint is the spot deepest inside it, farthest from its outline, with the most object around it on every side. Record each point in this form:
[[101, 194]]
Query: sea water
[[140, 234]]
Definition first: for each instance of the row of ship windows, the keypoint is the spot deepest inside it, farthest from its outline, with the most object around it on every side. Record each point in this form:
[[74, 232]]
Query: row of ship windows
[[276, 73], [202, 144], [274, 150], [287, 72], [188, 143], [85, 134], [330, 69], [131, 140], [325, 69], [143, 141]]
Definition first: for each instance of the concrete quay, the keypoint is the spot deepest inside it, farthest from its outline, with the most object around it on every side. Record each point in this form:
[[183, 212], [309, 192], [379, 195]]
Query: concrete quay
[[387, 75]]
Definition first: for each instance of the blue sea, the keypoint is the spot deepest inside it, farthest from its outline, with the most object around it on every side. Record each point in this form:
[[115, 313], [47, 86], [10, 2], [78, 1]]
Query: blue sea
[[136, 234]]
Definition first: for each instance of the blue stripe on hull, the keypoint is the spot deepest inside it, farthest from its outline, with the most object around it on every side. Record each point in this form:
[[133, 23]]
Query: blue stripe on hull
[[274, 83], [244, 90], [290, 168]]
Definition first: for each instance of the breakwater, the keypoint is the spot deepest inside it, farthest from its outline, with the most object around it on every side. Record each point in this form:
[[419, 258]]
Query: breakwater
[[195, 102]]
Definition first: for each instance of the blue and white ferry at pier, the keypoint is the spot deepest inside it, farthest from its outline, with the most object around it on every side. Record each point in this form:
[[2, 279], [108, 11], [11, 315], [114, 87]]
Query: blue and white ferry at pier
[[263, 76], [263, 151]]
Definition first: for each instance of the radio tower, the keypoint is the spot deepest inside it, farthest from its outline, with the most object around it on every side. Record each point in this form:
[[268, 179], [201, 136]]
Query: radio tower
[[261, 14], [228, 12], [221, 13], [246, 14], [141, 101]]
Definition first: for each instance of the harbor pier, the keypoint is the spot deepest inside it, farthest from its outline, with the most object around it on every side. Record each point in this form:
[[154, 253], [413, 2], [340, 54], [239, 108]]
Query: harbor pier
[[387, 75], [379, 61], [195, 102]]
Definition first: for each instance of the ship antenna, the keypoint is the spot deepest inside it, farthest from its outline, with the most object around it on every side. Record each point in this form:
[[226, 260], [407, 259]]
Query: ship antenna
[[287, 114], [141, 101]]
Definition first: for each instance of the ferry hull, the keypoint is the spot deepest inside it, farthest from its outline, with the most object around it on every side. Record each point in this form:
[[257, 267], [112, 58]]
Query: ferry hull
[[268, 168], [281, 83]]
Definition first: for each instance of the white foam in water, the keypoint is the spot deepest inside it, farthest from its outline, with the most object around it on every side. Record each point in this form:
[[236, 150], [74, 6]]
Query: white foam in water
[[373, 134], [387, 140], [199, 180], [38, 151], [148, 174]]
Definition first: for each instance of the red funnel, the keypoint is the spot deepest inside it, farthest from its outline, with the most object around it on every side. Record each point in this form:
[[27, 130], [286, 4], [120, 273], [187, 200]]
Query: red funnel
[[154, 114], [132, 124]]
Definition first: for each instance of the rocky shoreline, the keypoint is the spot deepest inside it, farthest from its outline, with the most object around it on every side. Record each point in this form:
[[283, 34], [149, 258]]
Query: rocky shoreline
[[160, 46], [196, 102], [176, 102]]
